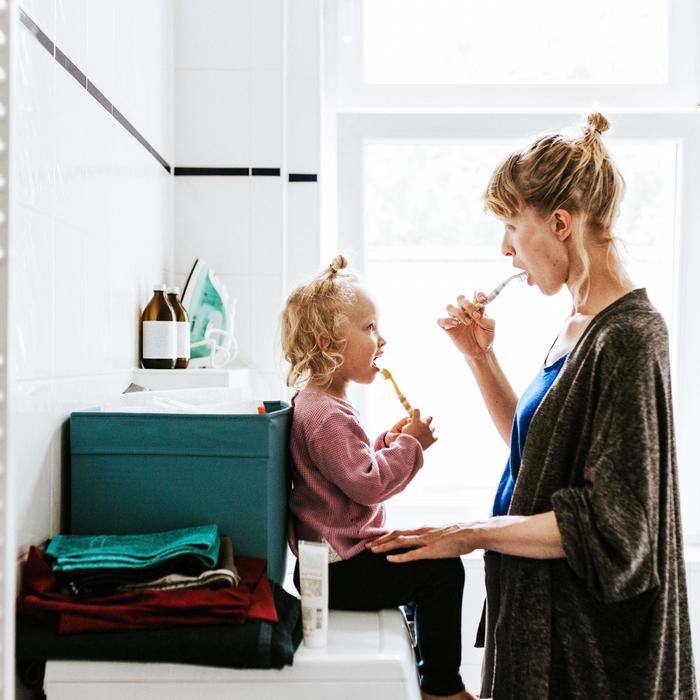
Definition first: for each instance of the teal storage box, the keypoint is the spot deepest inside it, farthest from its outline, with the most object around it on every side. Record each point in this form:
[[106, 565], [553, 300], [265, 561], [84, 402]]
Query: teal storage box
[[147, 472]]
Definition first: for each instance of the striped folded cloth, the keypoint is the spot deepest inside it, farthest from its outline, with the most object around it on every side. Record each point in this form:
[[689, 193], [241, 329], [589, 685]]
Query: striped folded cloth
[[225, 575], [81, 552]]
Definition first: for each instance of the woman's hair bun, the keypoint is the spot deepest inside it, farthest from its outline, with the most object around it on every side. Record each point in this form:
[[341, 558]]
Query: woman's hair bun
[[339, 262], [597, 122]]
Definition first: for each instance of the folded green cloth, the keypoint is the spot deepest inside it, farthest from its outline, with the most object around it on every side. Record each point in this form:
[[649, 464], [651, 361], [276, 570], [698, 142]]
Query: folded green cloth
[[73, 552]]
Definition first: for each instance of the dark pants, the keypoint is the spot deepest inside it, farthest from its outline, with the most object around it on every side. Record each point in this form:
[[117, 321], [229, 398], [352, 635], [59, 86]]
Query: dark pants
[[434, 587]]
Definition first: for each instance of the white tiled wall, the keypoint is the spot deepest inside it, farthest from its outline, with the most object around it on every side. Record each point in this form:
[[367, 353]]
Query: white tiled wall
[[247, 94], [91, 224], [304, 137], [229, 112]]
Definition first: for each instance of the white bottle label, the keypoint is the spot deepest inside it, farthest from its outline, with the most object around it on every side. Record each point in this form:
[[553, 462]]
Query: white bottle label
[[183, 339], [159, 340]]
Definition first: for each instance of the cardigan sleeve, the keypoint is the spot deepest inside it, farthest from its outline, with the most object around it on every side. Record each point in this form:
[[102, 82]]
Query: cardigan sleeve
[[609, 526]]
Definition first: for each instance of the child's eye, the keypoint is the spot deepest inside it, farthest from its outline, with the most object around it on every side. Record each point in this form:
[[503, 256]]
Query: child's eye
[[370, 327]]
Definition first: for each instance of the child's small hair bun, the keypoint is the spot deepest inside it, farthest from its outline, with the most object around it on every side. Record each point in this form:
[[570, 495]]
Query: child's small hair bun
[[338, 263], [596, 122]]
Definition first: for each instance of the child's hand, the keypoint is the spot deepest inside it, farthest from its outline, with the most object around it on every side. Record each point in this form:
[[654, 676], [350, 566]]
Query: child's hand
[[395, 431], [422, 430]]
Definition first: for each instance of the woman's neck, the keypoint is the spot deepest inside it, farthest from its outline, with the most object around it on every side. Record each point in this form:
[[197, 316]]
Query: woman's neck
[[606, 284]]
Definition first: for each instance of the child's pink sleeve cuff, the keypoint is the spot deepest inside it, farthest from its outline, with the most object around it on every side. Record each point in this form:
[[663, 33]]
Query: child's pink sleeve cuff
[[379, 443]]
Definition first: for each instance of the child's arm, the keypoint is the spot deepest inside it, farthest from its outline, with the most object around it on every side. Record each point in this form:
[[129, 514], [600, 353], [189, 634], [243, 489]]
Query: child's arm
[[340, 450]]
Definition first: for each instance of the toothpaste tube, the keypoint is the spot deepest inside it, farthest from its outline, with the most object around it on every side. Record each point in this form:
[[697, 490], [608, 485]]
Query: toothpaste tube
[[313, 577]]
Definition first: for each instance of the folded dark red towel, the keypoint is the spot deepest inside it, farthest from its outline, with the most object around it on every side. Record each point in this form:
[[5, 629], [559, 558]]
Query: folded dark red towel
[[42, 595]]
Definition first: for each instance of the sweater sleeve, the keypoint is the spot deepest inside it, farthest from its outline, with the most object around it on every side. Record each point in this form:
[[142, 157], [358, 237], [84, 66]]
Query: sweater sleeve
[[341, 451], [609, 526], [379, 441]]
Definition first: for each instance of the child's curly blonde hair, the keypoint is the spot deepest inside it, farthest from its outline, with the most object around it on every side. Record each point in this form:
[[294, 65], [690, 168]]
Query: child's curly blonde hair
[[314, 310]]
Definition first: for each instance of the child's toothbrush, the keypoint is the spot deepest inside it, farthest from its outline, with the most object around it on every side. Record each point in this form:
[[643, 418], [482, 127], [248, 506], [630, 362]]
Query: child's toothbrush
[[499, 289], [404, 402]]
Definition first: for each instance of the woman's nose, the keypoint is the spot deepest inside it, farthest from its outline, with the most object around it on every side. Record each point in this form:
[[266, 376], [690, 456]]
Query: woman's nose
[[506, 248]]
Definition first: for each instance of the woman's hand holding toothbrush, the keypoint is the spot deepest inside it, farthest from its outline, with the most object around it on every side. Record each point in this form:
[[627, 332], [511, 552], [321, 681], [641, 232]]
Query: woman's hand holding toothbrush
[[468, 327]]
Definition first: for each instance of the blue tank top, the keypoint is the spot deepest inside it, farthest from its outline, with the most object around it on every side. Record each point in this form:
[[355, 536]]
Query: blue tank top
[[527, 405]]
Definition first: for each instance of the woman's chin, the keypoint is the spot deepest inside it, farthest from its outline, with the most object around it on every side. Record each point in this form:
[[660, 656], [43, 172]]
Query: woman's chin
[[547, 287]]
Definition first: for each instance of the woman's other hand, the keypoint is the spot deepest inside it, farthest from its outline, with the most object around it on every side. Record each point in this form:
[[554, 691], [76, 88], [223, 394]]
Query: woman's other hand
[[421, 429], [426, 543], [469, 328]]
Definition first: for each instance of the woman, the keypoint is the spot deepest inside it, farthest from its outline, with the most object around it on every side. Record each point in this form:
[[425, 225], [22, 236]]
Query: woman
[[586, 591]]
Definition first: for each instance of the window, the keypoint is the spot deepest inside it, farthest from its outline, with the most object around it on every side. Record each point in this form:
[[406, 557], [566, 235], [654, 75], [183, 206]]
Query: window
[[437, 54], [443, 42], [414, 156]]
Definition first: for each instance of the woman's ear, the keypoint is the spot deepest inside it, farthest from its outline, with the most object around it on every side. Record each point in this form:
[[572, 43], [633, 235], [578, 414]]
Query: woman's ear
[[562, 224], [323, 340]]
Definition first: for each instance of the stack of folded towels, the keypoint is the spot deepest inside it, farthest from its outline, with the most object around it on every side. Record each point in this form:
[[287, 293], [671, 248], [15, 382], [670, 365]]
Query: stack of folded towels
[[176, 597], [119, 582]]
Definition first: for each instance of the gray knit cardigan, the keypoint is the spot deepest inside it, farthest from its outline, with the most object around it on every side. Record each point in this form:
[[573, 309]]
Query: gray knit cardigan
[[611, 619]]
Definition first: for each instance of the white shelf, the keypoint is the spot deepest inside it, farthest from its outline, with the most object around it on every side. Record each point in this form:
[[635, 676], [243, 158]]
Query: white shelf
[[159, 379], [368, 655]]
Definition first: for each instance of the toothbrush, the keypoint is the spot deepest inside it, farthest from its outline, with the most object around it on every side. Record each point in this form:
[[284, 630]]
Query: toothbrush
[[404, 402], [499, 289]]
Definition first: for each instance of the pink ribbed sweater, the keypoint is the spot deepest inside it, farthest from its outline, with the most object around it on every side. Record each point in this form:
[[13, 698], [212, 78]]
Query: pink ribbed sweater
[[340, 480]]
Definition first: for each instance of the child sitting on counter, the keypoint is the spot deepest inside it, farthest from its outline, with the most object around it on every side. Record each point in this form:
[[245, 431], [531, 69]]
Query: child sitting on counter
[[330, 337]]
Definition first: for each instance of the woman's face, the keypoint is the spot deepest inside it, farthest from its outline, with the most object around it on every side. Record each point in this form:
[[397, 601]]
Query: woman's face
[[538, 246]]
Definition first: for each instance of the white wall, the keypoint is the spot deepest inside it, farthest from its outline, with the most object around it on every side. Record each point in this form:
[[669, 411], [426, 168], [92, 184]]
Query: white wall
[[247, 95], [90, 226]]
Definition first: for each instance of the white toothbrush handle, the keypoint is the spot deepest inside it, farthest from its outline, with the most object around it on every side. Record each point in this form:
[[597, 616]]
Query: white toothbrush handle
[[499, 289]]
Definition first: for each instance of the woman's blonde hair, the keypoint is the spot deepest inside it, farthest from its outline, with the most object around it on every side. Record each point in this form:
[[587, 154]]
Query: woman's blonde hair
[[560, 172], [317, 308]]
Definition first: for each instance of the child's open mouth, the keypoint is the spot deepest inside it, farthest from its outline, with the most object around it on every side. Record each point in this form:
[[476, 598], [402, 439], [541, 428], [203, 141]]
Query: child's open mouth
[[374, 361]]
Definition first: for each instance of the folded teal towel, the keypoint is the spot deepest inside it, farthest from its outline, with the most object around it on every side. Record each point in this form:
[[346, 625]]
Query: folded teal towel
[[134, 551]]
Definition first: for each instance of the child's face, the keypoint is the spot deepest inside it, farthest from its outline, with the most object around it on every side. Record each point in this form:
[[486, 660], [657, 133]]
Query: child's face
[[363, 343]]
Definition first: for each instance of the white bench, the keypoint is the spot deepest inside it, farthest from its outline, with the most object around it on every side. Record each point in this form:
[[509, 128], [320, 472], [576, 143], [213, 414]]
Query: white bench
[[369, 656]]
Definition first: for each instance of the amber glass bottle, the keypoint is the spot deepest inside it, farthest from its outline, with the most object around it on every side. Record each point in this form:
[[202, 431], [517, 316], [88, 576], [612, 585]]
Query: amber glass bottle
[[183, 328], [158, 332]]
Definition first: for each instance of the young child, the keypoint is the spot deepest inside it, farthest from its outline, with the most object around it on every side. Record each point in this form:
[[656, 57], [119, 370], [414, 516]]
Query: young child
[[330, 338]]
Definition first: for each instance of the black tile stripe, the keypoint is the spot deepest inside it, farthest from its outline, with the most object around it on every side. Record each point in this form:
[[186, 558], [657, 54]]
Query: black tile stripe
[[259, 172], [88, 85], [159, 158], [184, 170], [303, 177], [29, 23], [71, 67], [97, 94]]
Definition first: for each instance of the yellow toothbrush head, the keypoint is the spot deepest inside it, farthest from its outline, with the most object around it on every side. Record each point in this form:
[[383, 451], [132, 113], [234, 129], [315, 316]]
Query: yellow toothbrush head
[[404, 402]]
